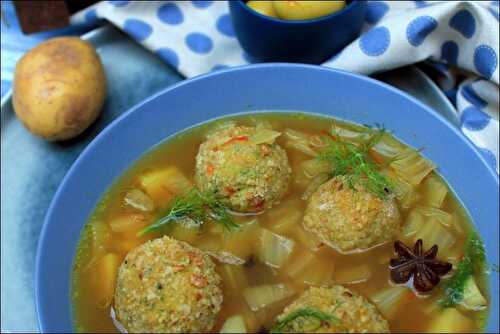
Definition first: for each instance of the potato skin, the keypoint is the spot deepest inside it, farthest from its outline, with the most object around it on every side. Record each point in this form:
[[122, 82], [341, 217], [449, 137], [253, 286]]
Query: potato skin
[[59, 88]]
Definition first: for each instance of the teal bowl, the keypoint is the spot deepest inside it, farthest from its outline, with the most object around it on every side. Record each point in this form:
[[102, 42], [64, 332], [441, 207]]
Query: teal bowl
[[268, 39]]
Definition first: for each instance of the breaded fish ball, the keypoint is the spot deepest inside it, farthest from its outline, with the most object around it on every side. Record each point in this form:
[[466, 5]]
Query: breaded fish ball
[[168, 286], [341, 310], [350, 219], [244, 167]]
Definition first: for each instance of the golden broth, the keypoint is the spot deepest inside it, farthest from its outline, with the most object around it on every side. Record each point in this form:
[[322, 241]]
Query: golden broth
[[366, 272]]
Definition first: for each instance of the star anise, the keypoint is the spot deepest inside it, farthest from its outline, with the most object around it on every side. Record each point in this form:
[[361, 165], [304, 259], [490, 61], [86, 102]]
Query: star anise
[[423, 266]]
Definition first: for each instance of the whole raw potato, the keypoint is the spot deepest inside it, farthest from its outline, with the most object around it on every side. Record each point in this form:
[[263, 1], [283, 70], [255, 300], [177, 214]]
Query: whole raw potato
[[59, 88]]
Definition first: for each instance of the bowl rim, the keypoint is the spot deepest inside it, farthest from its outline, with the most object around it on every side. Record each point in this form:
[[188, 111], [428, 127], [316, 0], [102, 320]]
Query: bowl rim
[[40, 313], [278, 20]]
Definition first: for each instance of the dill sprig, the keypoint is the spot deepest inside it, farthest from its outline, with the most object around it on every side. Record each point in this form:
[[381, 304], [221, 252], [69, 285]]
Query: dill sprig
[[473, 260], [307, 312], [198, 207], [353, 161]]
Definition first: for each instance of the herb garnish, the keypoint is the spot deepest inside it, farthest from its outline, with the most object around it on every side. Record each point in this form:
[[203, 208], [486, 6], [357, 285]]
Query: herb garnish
[[473, 260], [354, 162], [198, 207], [307, 312]]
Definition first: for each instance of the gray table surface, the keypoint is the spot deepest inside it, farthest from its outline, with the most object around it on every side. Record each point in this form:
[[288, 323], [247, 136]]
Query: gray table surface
[[31, 169]]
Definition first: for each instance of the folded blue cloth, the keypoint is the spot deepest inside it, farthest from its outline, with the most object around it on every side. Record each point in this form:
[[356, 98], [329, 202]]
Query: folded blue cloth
[[460, 39]]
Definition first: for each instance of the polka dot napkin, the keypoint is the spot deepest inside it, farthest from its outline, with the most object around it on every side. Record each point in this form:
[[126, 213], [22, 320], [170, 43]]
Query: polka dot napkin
[[458, 39]]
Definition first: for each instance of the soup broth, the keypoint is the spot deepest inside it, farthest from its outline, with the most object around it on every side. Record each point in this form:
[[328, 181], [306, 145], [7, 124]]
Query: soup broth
[[427, 207]]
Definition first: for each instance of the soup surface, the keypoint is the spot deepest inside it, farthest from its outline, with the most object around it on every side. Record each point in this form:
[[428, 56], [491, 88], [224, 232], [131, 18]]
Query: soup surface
[[273, 256]]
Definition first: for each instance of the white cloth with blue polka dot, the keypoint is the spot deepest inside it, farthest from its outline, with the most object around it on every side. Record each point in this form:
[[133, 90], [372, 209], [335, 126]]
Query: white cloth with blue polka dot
[[459, 39]]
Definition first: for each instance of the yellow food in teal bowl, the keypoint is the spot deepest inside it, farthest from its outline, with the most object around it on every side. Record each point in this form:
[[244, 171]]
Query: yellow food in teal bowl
[[296, 10], [296, 31]]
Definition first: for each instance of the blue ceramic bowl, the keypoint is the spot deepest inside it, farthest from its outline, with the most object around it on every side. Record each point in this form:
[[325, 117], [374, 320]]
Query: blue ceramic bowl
[[268, 39], [278, 87]]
